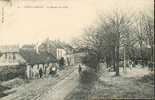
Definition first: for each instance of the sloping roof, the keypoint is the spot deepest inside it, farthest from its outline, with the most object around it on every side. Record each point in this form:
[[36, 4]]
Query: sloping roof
[[34, 58], [47, 57], [9, 48], [28, 46]]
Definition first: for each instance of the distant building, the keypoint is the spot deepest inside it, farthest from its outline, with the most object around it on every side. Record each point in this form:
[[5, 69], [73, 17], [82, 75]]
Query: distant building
[[61, 53], [78, 57], [57, 49]]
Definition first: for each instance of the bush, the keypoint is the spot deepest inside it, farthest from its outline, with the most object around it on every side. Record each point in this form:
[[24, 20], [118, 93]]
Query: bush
[[88, 76], [90, 60], [147, 78]]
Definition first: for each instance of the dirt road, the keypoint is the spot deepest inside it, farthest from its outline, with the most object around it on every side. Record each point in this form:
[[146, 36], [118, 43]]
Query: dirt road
[[46, 89], [62, 89]]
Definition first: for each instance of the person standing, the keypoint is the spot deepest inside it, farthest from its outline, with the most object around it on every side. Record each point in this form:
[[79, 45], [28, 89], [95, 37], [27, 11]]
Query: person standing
[[61, 63], [40, 72], [80, 69]]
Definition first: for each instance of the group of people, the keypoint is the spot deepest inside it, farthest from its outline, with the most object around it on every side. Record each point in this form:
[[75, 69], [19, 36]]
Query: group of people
[[40, 70], [36, 71], [132, 63]]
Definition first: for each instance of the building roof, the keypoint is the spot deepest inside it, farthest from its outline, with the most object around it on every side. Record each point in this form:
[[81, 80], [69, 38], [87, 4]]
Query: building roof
[[32, 57], [28, 46], [9, 48]]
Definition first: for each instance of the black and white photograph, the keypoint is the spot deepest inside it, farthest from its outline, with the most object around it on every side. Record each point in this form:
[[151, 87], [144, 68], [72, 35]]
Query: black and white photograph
[[77, 50]]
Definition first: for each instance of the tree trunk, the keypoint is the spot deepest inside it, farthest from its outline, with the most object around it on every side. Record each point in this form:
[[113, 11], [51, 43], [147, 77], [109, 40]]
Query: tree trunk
[[117, 61], [108, 61], [114, 58], [152, 53], [141, 54], [124, 60]]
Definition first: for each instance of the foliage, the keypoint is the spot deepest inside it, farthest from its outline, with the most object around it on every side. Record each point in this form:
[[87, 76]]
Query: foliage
[[118, 36], [90, 60], [0, 54], [147, 78], [88, 77], [50, 46]]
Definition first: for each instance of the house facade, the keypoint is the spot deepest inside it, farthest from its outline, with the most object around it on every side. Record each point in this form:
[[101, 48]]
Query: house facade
[[25, 62], [10, 57], [60, 53], [11, 62], [36, 61]]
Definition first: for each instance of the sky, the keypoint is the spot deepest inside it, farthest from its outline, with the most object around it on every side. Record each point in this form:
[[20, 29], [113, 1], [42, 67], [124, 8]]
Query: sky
[[23, 25]]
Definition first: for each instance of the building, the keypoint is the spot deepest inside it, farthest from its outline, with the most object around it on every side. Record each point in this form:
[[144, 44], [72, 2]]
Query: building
[[60, 53], [11, 62], [78, 57], [10, 56], [58, 49], [36, 61], [15, 61]]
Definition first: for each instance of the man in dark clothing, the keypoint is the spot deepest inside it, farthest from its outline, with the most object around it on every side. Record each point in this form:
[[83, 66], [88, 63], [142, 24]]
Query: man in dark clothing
[[61, 62], [40, 73], [80, 69]]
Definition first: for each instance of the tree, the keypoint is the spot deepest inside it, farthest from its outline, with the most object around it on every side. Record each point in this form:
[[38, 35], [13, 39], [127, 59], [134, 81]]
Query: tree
[[144, 29], [0, 54], [119, 27], [149, 29], [105, 39], [50, 46]]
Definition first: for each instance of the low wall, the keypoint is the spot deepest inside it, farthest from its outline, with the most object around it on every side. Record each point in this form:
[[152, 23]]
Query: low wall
[[10, 72]]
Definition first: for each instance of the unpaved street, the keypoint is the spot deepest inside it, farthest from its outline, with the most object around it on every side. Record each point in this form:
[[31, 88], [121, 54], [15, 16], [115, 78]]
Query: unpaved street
[[135, 83], [46, 89], [62, 89]]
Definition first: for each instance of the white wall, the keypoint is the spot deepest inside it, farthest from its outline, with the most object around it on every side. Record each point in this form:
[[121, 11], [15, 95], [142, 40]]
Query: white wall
[[61, 53], [9, 59]]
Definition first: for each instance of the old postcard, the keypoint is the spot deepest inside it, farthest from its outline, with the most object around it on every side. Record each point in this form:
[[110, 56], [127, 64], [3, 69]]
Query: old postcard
[[76, 49]]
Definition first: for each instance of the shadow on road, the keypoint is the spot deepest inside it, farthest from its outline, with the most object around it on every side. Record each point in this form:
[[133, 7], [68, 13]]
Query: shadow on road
[[83, 90]]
